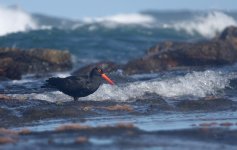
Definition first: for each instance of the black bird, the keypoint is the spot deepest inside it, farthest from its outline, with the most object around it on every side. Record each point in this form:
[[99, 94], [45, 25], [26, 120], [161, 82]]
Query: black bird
[[79, 86]]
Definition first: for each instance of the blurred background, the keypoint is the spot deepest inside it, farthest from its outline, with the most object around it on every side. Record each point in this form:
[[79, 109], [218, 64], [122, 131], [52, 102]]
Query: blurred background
[[110, 30], [78, 9]]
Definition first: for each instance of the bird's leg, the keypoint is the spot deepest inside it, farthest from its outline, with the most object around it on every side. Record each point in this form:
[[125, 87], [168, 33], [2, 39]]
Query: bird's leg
[[75, 98]]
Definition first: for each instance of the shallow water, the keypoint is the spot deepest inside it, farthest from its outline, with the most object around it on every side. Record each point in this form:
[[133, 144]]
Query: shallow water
[[158, 105], [192, 85]]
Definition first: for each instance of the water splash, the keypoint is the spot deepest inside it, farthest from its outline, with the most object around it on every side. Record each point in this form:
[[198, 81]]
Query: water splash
[[15, 20], [196, 84], [125, 19], [207, 26]]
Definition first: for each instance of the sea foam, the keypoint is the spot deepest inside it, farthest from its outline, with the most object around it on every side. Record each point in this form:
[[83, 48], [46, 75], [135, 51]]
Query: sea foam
[[15, 20], [195, 84], [122, 19], [207, 26]]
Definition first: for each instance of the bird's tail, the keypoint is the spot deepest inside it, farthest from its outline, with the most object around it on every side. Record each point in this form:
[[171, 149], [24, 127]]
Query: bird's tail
[[50, 83]]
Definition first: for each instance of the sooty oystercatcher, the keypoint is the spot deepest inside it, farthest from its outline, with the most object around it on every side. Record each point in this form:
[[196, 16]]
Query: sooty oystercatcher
[[79, 86]]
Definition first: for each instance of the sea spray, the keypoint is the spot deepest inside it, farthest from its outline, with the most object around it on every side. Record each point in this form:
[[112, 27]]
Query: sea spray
[[15, 20], [195, 84], [207, 26], [125, 19]]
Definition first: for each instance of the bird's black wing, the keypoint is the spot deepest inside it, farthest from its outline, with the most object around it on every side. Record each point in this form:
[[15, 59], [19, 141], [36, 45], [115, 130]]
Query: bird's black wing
[[71, 83]]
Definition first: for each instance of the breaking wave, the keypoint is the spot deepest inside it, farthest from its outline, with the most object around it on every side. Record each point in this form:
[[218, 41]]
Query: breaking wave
[[14, 20], [126, 19], [207, 26], [195, 84]]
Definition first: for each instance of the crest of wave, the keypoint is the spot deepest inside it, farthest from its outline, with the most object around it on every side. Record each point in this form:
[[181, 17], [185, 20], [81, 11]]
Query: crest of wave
[[122, 19], [15, 20], [197, 84], [207, 26]]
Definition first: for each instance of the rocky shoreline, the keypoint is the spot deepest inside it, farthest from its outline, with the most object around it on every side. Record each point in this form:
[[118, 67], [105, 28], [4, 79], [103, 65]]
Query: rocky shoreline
[[22, 113], [16, 62], [121, 136], [222, 50]]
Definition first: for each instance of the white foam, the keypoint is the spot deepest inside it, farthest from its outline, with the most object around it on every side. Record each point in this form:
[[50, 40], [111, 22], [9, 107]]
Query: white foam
[[198, 84], [207, 26], [46, 96], [15, 20], [122, 19]]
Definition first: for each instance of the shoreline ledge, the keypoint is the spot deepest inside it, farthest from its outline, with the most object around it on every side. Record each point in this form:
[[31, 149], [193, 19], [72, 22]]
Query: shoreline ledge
[[169, 55], [16, 62]]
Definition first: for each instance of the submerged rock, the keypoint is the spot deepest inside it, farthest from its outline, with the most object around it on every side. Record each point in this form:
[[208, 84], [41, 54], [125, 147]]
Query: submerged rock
[[4, 97], [107, 66], [9, 69], [221, 50], [15, 62], [206, 104], [118, 107]]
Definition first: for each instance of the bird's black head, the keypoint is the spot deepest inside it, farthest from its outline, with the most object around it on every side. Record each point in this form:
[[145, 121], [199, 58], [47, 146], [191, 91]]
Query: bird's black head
[[98, 72]]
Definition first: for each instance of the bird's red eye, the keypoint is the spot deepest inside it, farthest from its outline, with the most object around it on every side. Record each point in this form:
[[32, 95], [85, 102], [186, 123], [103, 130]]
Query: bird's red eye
[[99, 70]]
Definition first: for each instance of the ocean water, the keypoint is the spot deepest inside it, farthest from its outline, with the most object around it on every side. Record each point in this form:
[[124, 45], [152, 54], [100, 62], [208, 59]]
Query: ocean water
[[120, 38]]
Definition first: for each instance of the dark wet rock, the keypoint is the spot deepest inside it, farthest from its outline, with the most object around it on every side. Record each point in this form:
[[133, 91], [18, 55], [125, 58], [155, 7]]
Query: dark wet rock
[[79, 127], [19, 112], [11, 136], [125, 137], [70, 136], [4, 97], [15, 62], [221, 50], [213, 104], [229, 34], [105, 65], [72, 127], [214, 124], [7, 140], [226, 124], [81, 140], [233, 84], [118, 107], [152, 103], [220, 135], [70, 131], [9, 69]]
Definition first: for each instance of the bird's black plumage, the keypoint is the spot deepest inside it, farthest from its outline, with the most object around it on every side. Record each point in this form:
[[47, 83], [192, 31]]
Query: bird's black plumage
[[77, 86]]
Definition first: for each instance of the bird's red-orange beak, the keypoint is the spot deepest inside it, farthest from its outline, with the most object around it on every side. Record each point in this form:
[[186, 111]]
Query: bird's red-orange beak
[[107, 79]]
